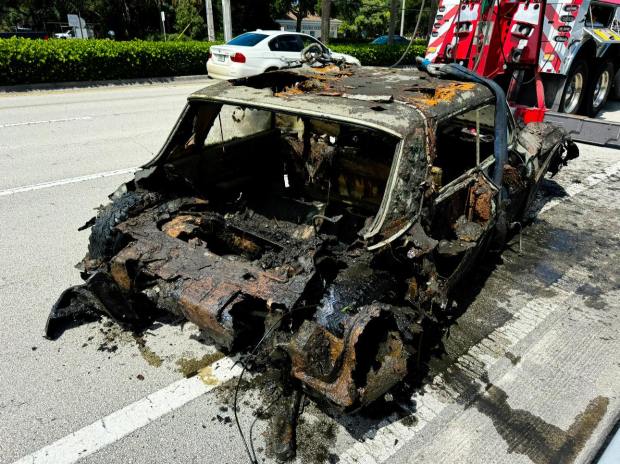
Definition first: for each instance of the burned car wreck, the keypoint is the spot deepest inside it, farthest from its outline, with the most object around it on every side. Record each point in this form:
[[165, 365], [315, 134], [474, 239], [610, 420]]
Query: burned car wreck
[[322, 214]]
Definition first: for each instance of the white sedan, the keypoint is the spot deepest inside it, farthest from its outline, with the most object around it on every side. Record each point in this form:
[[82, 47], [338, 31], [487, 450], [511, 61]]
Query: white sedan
[[256, 52]]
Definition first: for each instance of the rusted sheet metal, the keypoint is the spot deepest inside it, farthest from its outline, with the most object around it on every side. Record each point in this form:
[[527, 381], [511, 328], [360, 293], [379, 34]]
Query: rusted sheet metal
[[205, 287], [343, 370], [413, 94]]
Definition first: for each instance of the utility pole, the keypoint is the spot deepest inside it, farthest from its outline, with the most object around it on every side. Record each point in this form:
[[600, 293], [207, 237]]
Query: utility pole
[[210, 25], [163, 25], [227, 20], [402, 20], [80, 21], [326, 6]]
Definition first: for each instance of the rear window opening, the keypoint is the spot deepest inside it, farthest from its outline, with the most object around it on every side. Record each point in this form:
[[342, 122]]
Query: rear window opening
[[249, 39], [278, 179]]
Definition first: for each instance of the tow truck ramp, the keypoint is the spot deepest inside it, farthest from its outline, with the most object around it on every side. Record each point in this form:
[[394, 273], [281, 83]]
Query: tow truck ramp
[[587, 130]]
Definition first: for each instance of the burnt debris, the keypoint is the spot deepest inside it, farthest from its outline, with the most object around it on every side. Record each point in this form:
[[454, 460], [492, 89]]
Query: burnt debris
[[318, 240]]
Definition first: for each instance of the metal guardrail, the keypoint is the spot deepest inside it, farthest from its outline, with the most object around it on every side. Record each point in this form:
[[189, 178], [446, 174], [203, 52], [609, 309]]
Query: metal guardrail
[[587, 130]]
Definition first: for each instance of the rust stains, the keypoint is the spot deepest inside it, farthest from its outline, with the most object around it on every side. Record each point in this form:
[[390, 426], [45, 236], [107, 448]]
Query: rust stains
[[353, 370], [481, 201], [442, 93]]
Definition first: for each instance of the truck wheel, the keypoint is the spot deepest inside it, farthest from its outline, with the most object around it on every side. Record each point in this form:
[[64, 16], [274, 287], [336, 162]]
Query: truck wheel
[[598, 88], [574, 88], [616, 89]]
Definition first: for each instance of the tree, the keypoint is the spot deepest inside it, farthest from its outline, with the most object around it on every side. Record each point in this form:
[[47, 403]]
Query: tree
[[393, 19], [325, 12], [346, 10], [188, 20], [371, 20], [299, 8], [249, 15]]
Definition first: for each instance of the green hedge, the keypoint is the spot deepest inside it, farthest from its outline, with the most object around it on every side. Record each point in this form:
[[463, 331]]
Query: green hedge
[[381, 55], [26, 61]]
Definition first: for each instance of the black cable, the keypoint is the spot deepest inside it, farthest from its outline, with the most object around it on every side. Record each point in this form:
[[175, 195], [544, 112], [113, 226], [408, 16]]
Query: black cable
[[252, 353], [254, 423], [402, 57]]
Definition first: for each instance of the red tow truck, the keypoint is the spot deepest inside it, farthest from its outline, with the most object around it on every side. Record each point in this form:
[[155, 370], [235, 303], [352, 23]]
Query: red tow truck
[[553, 58]]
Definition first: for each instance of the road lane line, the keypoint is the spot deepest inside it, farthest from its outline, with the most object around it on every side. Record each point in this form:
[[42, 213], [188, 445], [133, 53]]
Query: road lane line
[[47, 121], [121, 423], [576, 188], [70, 180]]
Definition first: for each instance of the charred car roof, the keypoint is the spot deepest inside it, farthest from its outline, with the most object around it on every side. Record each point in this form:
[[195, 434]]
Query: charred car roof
[[387, 99]]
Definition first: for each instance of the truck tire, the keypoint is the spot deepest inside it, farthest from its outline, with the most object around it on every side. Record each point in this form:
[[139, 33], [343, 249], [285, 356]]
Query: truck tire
[[575, 87], [616, 89], [598, 88], [104, 241]]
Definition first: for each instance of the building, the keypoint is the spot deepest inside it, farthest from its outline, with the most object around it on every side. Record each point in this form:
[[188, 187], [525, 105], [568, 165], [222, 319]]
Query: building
[[310, 25]]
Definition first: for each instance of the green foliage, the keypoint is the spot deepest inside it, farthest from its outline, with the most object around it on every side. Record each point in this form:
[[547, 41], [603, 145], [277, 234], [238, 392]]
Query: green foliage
[[371, 20], [188, 20], [24, 61], [377, 55], [299, 8]]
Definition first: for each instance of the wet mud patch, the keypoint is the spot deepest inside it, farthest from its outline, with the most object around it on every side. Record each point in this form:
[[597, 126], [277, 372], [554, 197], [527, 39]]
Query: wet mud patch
[[543, 255], [152, 358], [192, 366], [315, 440], [514, 360], [540, 441], [593, 296]]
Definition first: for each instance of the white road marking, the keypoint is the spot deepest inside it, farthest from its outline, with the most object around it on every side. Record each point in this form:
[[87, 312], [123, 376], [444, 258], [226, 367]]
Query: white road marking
[[70, 180], [121, 423], [48, 121], [576, 188]]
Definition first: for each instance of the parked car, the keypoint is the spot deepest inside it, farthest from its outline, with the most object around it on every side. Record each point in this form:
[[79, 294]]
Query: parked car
[[383, 40], [321, 215], [256, 52], [68, 34]]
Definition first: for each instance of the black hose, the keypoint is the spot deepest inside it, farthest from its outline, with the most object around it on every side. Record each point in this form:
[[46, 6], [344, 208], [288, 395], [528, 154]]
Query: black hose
[[500, 143]]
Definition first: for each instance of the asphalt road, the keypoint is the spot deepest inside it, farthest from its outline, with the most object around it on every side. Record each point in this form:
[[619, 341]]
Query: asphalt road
[[528, 373]]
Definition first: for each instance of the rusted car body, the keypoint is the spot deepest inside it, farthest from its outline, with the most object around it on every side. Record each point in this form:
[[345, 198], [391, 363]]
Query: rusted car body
[[323, 212]]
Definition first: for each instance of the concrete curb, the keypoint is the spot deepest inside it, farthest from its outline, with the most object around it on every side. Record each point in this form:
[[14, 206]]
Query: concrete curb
[[109, 83]]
